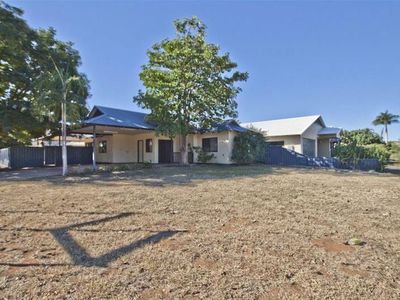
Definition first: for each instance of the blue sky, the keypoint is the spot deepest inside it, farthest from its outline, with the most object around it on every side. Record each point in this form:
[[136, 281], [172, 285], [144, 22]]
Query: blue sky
[[339, 59]]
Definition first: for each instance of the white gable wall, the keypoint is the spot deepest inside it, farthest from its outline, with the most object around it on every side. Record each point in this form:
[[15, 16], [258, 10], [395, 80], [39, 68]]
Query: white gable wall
[[312, 133]]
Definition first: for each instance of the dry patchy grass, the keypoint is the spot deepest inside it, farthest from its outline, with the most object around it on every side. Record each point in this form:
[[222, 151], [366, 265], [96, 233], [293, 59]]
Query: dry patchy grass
[[205, 232]]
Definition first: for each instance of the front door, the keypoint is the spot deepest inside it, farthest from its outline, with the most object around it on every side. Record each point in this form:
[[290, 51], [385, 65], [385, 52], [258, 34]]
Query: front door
[[140, 151], [165, 151]]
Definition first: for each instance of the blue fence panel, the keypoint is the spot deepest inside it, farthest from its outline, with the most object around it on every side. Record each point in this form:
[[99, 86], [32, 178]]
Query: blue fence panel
[[22, 157], [369, 164], [79, 155], [277, 155]]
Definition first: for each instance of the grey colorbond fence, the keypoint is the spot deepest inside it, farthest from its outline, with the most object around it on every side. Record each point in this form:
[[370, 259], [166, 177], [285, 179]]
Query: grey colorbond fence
[[22, 157], [276, 155]]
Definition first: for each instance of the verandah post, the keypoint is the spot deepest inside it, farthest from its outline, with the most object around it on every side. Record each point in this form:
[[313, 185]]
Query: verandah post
[[94, 149]]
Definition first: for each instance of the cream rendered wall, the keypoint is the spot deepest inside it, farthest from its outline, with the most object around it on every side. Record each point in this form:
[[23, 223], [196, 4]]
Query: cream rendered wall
[[122, 148], [291, 142], [151, 157], [104, 157], [225, 146], [324, 148]]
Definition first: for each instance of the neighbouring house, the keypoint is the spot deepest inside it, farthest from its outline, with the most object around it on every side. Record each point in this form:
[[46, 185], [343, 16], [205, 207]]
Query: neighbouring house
[[306, 135], [122, 136], [55, 141]]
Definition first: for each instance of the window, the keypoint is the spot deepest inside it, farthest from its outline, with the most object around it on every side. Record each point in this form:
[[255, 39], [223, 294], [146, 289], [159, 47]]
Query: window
[[210, 145], [103, 147], [149, 145]]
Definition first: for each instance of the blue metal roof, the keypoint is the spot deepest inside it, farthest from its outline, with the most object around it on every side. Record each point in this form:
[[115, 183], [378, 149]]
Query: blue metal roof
[[107, 116], [229, 125]]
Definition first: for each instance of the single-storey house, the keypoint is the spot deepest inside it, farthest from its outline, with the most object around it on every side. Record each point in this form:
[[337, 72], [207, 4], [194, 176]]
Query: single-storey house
[[122, 136], [306, 135]]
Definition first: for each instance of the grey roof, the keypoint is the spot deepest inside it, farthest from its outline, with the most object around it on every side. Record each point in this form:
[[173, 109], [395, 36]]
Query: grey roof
[[107, 116], [290, 126]]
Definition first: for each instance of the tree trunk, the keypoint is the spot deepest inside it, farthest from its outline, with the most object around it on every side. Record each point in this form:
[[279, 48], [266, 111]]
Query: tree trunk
[[64, 138], [183, 150], [386, 134]]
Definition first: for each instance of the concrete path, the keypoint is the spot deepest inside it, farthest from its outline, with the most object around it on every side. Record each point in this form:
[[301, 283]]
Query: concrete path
[[33, 173]]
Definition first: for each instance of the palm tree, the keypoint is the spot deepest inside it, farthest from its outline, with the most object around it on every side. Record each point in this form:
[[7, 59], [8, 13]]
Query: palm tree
[[61, 82], [385, 119]]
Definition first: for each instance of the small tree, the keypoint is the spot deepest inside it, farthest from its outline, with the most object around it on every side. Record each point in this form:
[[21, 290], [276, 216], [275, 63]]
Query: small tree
[[248, 147], [188, 84], [386, 119]]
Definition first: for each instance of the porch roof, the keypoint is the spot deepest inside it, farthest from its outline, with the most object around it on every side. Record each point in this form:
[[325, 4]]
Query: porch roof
[[108, 130], [107, 116], [329, 131]]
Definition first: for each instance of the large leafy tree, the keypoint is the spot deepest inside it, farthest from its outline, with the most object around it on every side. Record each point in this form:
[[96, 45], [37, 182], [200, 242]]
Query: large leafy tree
[[188, 83], [385, 119], [17, 124], [30, 108]]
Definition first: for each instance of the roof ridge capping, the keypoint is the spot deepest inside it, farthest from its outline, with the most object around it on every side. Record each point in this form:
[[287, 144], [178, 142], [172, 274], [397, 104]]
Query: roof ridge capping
[[283, 119], [101, 108]]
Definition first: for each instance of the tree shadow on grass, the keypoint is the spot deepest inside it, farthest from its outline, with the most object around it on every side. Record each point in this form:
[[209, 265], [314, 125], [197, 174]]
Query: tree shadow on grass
[[80, 256]]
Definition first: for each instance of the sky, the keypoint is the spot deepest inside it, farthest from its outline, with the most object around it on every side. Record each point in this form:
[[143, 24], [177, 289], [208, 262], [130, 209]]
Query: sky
[[339, 59]]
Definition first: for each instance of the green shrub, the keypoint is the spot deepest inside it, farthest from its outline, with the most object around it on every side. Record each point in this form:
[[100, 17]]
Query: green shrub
[[202, 156], [147, 165], [352, 153], [248, 147], [360, 144], [348, 152], [122, 167], [361, 137], [394, 148], [378, 151]]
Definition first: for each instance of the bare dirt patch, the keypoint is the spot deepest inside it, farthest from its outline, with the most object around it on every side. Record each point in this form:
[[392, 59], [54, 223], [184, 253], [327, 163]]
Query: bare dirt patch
[[201, 233], [330, 245]]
